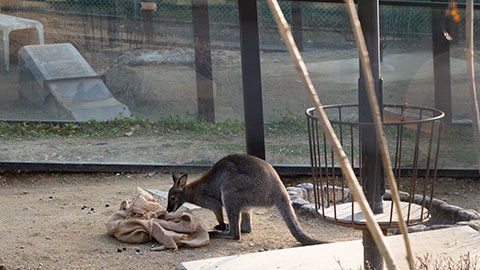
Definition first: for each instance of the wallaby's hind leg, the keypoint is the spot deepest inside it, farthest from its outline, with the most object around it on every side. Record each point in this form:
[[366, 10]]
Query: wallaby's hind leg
[[233, 214], [246, 224]]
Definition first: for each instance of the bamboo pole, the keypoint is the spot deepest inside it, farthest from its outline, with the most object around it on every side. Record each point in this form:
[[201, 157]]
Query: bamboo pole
[[471, 76], [387, 163], [340, 155]]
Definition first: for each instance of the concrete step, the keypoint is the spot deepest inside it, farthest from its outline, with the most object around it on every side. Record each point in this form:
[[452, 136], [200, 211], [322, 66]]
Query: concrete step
[[451, 242]]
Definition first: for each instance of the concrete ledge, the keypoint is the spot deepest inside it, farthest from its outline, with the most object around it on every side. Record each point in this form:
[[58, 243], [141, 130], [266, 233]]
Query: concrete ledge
[[451, 242]]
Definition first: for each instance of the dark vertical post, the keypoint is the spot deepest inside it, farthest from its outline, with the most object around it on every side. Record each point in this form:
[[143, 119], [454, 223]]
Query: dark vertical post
[[251, 78], [112, 27], [203, 60], [374, 181], [441, 66], [148, 26], [135, 9], [297, 30]]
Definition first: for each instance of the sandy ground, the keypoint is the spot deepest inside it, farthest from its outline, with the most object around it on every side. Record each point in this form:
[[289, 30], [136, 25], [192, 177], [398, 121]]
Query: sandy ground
[[43, 225]]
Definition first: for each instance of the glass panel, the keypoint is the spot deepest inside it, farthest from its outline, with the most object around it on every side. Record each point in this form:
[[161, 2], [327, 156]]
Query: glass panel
[[331, 58], [330, 52], [112, 59], [117, 83]]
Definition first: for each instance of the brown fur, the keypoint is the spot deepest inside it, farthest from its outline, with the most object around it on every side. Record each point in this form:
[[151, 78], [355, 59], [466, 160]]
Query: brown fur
[[238, 183]]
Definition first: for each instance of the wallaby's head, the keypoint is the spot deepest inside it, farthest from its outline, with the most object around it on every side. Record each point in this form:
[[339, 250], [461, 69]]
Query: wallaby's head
[[176, 194]]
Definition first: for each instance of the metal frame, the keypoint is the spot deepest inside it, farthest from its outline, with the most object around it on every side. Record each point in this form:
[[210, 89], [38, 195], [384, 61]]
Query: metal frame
[[282, 169], [255, 138], [431, 119]]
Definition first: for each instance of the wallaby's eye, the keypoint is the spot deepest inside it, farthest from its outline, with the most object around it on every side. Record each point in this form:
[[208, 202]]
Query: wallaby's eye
[[173, 198]]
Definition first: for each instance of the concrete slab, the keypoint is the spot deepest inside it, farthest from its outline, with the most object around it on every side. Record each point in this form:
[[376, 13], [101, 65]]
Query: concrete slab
[[451, 242]]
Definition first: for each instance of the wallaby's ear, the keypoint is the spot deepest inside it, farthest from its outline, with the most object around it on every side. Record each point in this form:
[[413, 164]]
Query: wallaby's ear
[[182, 181], [175, 178]]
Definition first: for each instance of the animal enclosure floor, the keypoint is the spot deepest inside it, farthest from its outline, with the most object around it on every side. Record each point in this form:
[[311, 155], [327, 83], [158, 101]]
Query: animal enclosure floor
[[43, 225]]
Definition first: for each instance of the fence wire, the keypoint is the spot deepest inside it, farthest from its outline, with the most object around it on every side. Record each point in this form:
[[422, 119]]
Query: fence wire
[[397, 22]]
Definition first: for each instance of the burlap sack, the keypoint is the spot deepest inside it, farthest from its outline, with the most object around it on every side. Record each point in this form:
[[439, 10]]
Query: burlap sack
[[142, 219]]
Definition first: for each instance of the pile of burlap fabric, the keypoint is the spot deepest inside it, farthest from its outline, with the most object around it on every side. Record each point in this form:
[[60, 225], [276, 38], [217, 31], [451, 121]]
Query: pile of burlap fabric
[[142, 220]]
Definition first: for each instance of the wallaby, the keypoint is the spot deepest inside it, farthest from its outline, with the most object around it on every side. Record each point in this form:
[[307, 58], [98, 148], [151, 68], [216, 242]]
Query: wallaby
[[238, 183]]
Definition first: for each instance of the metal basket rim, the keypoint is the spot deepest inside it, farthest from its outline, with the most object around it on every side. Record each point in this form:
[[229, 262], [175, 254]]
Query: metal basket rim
[[438, 115]]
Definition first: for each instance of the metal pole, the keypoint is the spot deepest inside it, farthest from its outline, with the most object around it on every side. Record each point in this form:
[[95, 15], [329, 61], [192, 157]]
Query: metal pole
[[148, 26], [251, 78], [297, 30], [203, 60], [372, 173], [441, 66], [135, 9]]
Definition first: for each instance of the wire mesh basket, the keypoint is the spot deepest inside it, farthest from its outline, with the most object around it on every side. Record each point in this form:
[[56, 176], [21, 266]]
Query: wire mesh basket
[[413, 136]]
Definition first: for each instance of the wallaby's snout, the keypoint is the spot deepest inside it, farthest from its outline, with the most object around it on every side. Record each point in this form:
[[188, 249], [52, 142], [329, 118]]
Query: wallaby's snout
[[176, 194], [170, 206]]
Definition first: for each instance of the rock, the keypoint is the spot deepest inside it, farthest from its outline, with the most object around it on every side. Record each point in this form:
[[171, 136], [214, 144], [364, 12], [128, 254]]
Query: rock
[[307, 186], [451, 213], [416, 228], [441, 226], [437, 203], [467, 215], [299, 192], [335, 192], [159, 248], [298, 203], [474, 224], [309, 208], [125, 85]]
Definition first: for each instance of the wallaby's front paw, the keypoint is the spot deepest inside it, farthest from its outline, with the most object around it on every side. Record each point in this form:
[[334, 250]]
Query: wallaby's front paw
[[221, 227]]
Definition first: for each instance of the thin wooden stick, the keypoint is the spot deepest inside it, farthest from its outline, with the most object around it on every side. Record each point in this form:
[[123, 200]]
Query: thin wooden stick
[[340, 155], [471, 76], [387, 163]]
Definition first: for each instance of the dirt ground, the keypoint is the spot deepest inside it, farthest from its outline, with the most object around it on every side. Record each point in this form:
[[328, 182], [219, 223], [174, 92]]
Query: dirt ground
[[43, 225]]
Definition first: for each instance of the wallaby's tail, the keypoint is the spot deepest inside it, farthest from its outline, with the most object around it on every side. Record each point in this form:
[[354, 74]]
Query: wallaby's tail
[[288, 214]]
